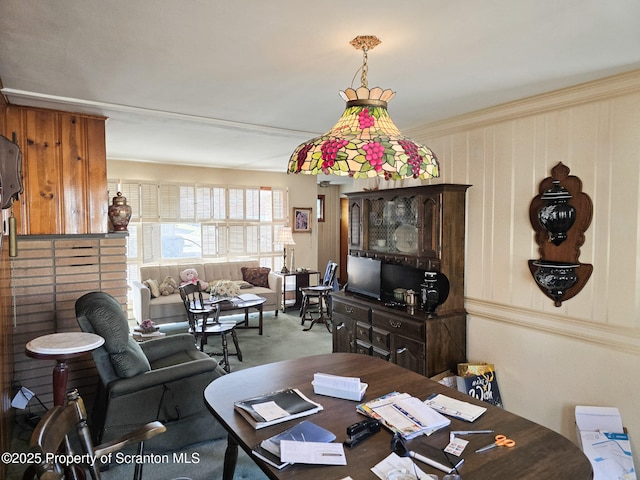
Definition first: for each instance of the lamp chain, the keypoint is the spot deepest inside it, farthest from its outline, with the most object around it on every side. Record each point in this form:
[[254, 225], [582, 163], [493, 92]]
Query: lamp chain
[[365, 68]]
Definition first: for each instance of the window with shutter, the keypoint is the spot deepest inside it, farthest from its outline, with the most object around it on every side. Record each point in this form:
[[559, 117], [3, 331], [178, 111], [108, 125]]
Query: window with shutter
[[253, 238], [187, 207], [151, 242], [149, 202], [278, 200], [219, 195], [236, 203], [172, 221], [204, 205], [252, 204]]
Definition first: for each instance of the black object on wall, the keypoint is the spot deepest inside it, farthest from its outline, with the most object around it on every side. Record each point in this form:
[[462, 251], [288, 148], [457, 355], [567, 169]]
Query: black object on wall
[[10, 171]]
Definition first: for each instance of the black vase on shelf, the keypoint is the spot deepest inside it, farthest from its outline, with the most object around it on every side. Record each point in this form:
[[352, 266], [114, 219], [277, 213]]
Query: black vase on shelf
[[556, 216], [429, 293]]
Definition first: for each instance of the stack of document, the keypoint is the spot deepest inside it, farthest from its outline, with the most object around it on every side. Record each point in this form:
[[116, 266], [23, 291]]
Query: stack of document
[[276, 407], [401, 413], [605, 442], [454, 408], [269, 450]]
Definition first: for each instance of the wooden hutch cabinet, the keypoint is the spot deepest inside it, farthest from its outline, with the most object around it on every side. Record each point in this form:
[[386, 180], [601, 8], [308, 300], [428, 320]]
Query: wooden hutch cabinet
[[64, 170], [418, 227]]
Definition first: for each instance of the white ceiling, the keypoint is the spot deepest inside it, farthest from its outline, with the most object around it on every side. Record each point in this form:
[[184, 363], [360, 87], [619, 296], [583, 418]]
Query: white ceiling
[[241, 83]]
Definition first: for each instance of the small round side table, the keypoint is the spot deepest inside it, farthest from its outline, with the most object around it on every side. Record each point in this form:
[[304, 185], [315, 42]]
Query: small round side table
[[61, 347]]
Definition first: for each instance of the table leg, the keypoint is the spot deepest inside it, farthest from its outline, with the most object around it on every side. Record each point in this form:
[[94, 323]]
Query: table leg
[[230, 458], [60, 374], [259, 307], [225, 353]]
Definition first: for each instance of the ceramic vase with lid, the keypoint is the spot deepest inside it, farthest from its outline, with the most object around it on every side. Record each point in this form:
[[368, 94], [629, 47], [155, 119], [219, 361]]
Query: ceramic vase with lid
[[119, 213], [557, 215]]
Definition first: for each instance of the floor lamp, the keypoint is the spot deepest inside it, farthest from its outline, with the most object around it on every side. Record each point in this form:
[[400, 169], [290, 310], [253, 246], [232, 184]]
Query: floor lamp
[[285, 238]]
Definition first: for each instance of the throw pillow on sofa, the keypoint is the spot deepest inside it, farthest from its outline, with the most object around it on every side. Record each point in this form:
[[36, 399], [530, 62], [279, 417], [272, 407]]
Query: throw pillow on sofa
[[153, 287], [242, 284], [258, 276]]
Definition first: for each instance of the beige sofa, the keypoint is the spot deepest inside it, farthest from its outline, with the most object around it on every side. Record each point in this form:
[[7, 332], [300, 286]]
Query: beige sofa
[[169, 309]]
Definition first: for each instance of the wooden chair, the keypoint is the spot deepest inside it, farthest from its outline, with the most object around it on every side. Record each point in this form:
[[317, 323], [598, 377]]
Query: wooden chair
[[61, 423], [319, 295], [204, 322]]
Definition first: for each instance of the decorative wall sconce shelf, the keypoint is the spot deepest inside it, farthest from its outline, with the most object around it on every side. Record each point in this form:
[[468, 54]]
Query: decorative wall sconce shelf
[[559, 215]]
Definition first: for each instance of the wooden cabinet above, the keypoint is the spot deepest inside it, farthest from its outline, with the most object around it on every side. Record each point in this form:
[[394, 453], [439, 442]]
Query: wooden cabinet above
[[64, 168], [421, 227]]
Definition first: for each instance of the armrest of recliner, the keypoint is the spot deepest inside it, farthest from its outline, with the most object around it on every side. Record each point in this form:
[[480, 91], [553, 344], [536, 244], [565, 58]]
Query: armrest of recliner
[[166, 346], [141, 296], [204, 366]]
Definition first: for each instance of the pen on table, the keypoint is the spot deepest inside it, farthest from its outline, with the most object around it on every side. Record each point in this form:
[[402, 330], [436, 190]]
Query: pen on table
[[331, 454], [468, 432]]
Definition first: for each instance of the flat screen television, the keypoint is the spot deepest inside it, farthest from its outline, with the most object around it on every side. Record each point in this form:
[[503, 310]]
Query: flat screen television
[[363, 276]]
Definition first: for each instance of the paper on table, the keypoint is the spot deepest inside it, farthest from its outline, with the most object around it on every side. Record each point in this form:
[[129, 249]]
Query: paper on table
[[394, 462], [609, 453], [248, 297], [349, 384], [396, 418], [454, 407], [319, 453], [269, 410], [424, 416]]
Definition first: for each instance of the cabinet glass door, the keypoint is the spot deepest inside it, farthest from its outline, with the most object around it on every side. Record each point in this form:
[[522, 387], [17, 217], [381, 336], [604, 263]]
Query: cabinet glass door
[[355, 226], [430, 226], [393, 225]]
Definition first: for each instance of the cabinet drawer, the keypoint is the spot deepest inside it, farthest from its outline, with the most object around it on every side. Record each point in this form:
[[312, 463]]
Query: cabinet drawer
[[431, 264], [363, 347], [352, 311], [341, 320], [381, 353], [363, 331], [399, 325], [380, 338]]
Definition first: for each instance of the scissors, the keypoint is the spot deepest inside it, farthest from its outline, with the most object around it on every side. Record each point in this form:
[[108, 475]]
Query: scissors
[[501, 441]]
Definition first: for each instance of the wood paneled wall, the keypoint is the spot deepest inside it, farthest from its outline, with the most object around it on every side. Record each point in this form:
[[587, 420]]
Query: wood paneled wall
[[329, 230], [6, 351], [49, 274], [64, 170]]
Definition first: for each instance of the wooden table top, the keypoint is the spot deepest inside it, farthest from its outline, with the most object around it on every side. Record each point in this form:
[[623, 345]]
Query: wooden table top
[[539, 451]]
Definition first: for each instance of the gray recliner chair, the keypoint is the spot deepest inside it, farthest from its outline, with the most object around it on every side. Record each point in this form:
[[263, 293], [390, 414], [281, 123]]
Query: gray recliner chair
[[161, 379]]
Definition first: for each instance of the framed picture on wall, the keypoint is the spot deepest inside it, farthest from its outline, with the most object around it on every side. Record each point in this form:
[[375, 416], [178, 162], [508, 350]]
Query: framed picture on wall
[[302, 219]]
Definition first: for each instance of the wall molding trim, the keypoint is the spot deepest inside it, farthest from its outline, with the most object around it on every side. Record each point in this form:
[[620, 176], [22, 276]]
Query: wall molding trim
[[593, 91], [617, 338]]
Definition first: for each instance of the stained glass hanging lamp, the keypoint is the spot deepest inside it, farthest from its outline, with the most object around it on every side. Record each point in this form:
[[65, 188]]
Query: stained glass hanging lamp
[[365, 142]]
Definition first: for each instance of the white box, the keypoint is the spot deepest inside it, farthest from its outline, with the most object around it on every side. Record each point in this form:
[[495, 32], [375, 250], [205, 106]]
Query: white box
[[348, 388], [604, 441]]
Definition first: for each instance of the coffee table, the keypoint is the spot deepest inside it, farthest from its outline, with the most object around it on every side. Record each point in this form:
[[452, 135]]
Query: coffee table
[[238, 303]]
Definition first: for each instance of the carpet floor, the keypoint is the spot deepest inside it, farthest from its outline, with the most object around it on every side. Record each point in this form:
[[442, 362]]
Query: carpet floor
[[282, 339]]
